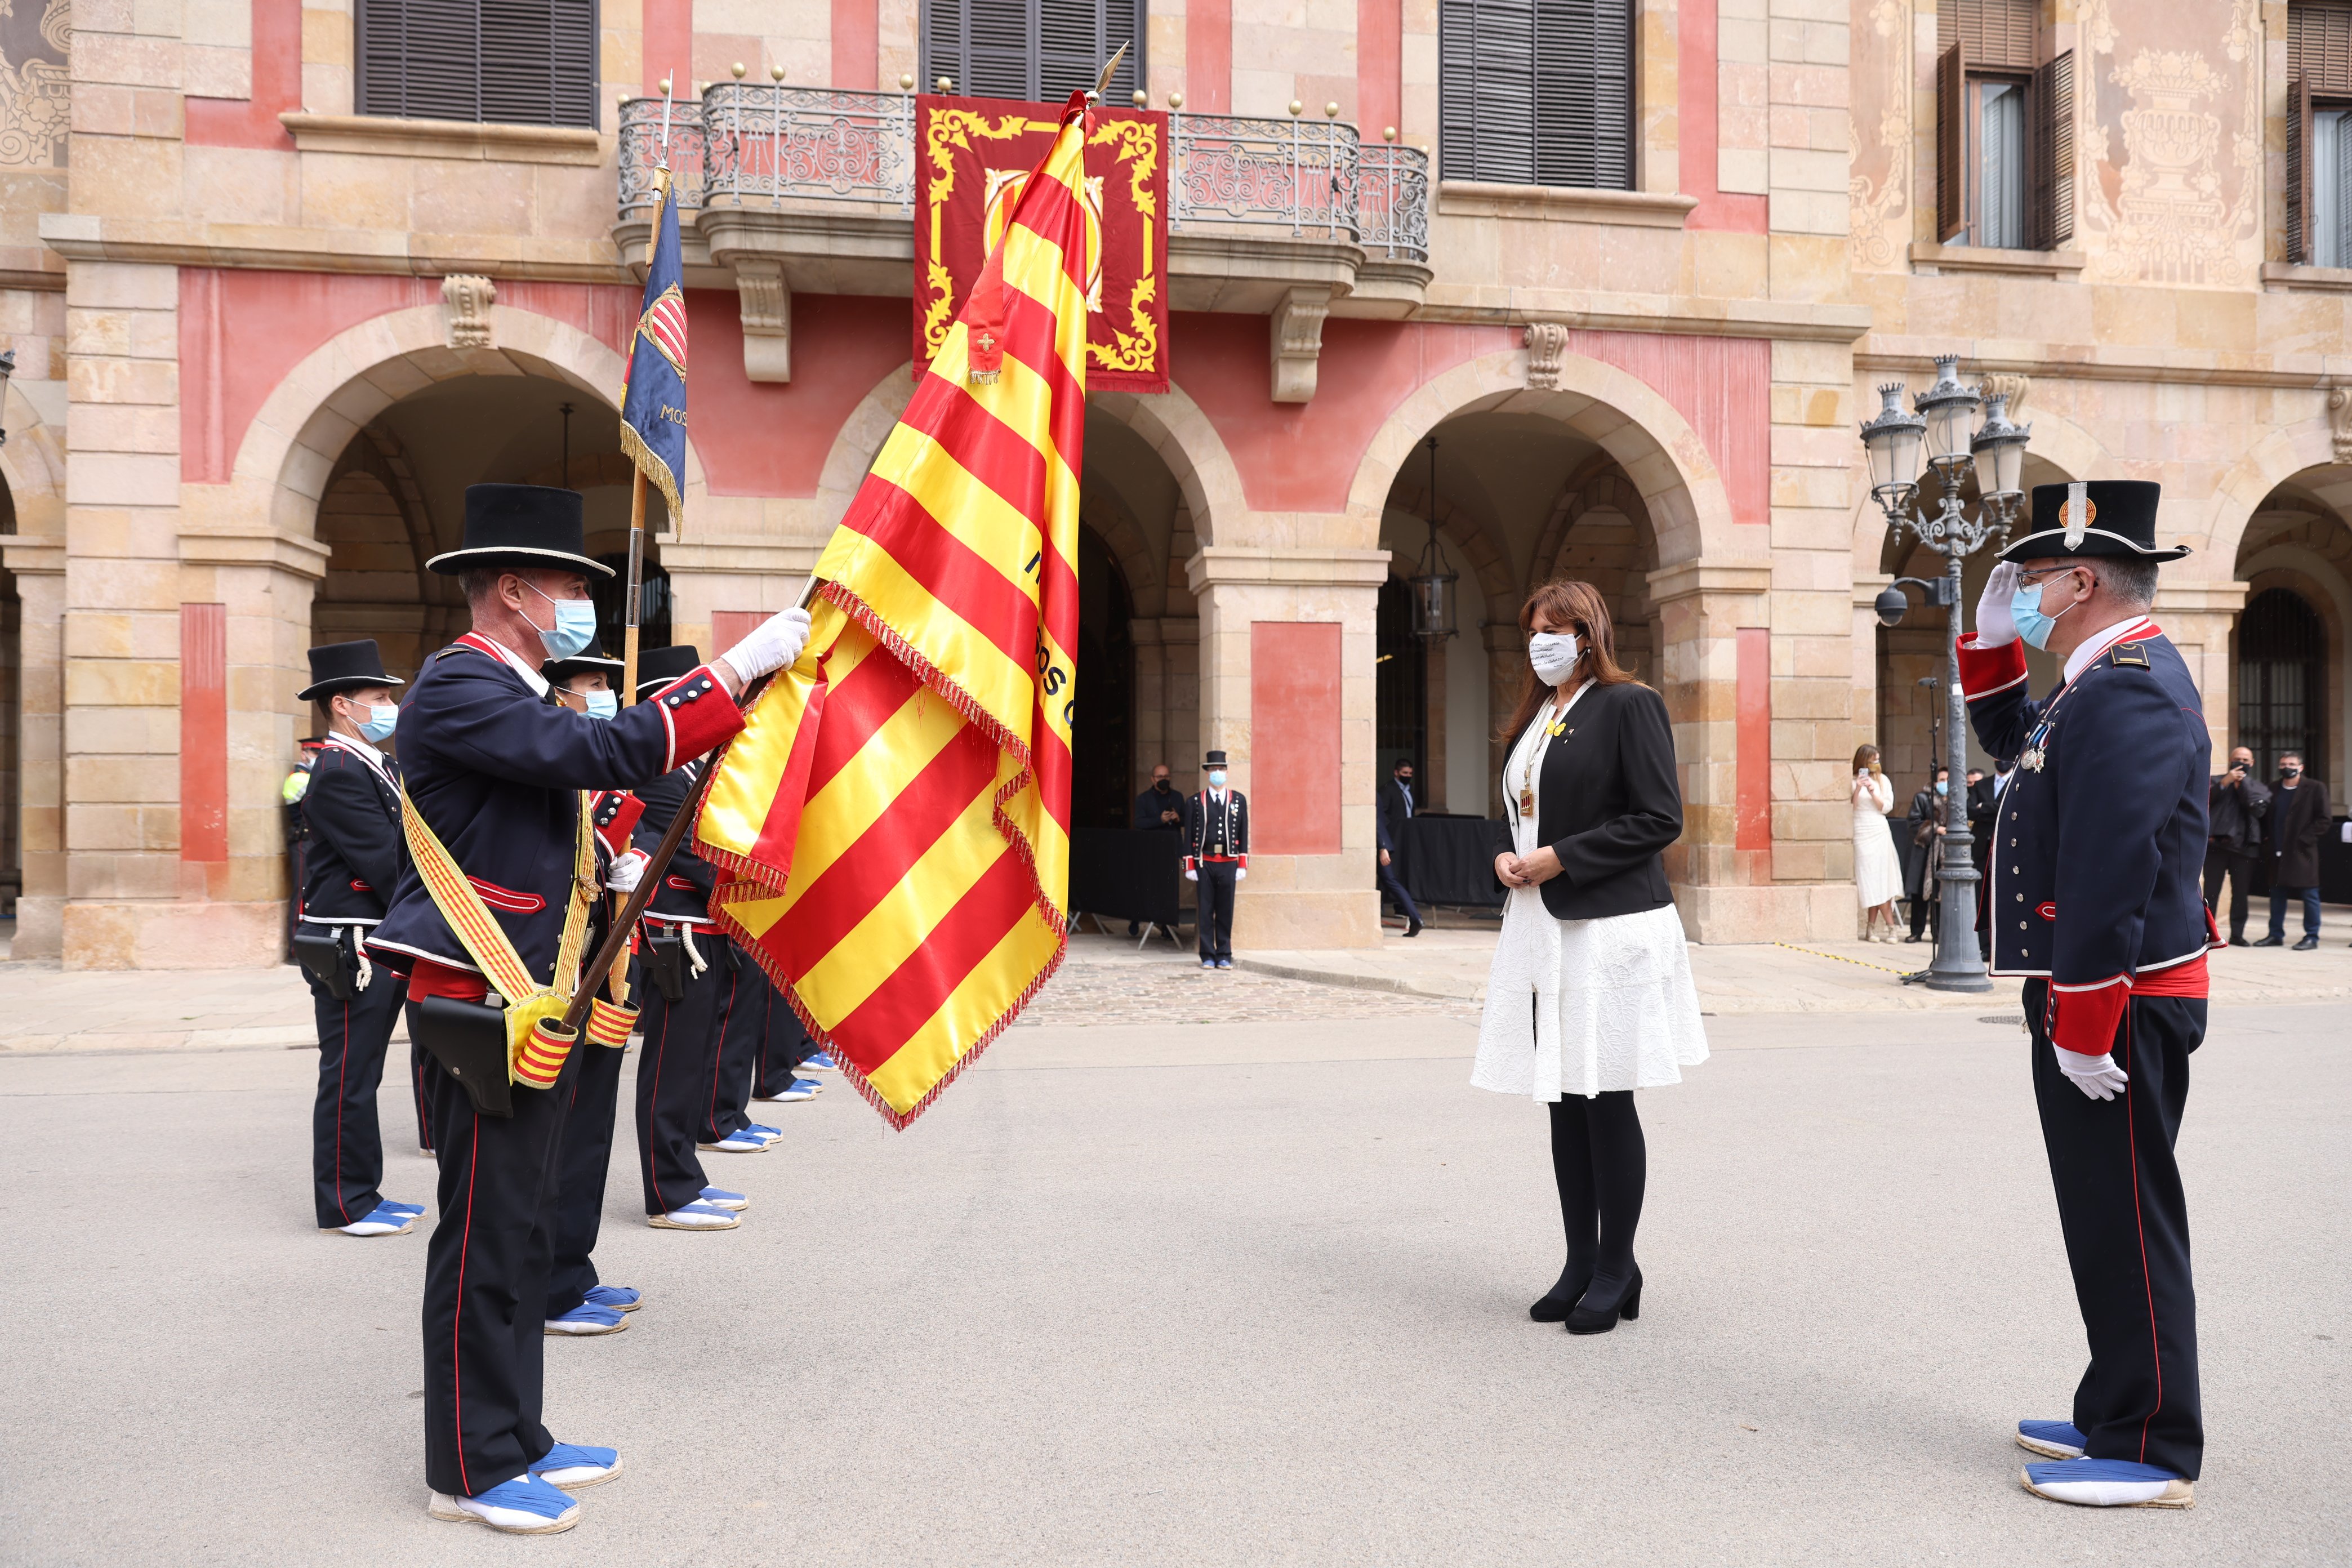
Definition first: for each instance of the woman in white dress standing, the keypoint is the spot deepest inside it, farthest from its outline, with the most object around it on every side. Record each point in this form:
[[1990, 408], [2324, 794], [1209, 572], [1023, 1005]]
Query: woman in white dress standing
[[1877, 868], [1590, 996]]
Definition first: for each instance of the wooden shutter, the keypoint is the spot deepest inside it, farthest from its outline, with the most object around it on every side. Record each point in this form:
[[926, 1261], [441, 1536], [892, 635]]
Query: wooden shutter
[[2053, 153], [1999, 34], [1537, 92], [2319, 45], [1951, 143], [527, 62], [1034, 50], [1485, 111], [2298, 172], [1076, 37]]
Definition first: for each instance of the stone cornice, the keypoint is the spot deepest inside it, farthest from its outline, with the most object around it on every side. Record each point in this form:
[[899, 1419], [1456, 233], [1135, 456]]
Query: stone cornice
[[1555, 203], [448, 139], [303, 557], [35, 279], [1232, 565], [2080, 362], [1669, 584], [1942, 258], [33, 554], [276, 247]]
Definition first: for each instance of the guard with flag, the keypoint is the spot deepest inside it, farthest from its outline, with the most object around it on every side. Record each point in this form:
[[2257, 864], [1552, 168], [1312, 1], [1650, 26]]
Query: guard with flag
[[899, 800]]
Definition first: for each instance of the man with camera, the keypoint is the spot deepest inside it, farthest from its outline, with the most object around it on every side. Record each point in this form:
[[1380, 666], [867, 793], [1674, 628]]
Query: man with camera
[[2235, 804], [352, 858]]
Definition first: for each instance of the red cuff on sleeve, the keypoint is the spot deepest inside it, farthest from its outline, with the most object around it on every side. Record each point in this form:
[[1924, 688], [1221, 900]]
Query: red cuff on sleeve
[[2084, 1021], [700, 714], [615, 832], [1985, 670]]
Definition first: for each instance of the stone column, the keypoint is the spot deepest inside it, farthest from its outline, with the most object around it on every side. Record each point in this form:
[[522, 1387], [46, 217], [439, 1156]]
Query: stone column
[[40, 564], [1702, 610], [2198, 618], [1506, 664], [1295, 901]]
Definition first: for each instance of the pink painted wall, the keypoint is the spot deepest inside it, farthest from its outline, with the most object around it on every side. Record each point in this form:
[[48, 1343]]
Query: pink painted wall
[[1379, 70], [276, 86], [669, 45], [1695, 102], [1293, 737], [204, 733], [761, 439], [856, 44], [1209, 56], [1753, 729]]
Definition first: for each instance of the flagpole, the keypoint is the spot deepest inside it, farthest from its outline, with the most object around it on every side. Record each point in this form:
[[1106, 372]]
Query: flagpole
[[634, 604]]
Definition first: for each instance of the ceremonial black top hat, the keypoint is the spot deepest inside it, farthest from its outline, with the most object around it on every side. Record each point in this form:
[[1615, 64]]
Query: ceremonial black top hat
[[657, 667], [345, 666], [522, 526], [556, 671], [1216, 760], [2108, 517]]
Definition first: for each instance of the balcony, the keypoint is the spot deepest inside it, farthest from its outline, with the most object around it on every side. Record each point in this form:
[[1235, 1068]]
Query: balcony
[[784, 188]]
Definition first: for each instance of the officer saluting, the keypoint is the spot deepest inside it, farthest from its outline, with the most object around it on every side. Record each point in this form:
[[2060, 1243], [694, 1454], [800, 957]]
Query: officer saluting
[[1216, 856], [2093, 900], [351, 861], [496, 896]]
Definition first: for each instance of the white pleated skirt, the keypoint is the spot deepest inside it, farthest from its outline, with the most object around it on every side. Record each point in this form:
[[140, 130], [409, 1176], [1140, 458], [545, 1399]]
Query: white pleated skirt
[[1586, 1007]]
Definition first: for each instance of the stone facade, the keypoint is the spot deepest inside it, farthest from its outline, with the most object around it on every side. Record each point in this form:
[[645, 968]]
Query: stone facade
[[262, 342]]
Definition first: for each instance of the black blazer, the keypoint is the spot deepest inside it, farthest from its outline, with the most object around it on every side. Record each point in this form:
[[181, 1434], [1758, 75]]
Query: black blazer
[[1607, 803], [356, 850]]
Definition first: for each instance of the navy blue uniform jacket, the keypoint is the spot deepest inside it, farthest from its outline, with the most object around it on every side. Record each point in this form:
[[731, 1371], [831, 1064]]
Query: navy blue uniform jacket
[[495, 768], [2093, 881], [684, 895], [355, 853]]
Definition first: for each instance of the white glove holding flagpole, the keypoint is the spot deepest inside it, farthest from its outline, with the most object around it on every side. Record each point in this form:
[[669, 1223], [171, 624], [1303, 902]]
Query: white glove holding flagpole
[[1995, 625], [626, 869], [775, 644]]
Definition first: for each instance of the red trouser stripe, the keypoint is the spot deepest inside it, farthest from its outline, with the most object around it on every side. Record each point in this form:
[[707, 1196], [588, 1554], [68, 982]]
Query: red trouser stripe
[[457, 1314], [342, 1072], [2155, 1349]]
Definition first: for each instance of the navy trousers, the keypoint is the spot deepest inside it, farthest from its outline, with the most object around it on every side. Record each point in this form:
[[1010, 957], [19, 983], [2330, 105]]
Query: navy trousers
[[580, 1174], [346, 1140], [416, 1092], [727, 1094], [1216, 913], [784, 1042], [486, 1274], [1394, 887], [2125, 1221], [674, 1078]]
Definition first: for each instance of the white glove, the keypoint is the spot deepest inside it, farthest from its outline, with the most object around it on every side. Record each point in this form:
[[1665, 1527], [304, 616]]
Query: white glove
[[775, 644], [2097, 1076], [1241, 873], [626, 869], [1995, 626], [1191, 876]]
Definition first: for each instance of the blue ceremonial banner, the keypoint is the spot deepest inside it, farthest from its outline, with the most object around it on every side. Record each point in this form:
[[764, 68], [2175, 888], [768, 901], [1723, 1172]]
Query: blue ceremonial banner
[[653, 392]]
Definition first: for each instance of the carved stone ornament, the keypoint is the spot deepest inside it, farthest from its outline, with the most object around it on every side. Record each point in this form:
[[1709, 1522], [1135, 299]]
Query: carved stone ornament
[[468, 297], [1297, 343], [2340, 421], [2013, 387], [764, 300], [1547, 342]]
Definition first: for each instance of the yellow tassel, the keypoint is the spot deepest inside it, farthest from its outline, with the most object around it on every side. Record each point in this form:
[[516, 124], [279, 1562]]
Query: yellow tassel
[[984, 378]]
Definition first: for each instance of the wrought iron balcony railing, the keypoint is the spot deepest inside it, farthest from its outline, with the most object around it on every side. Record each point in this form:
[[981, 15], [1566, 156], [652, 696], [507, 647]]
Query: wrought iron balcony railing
[[748, 144]]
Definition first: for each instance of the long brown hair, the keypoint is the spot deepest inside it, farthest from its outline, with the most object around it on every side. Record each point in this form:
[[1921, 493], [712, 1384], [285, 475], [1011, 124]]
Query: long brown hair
[[1863, 755], [1579, 604]]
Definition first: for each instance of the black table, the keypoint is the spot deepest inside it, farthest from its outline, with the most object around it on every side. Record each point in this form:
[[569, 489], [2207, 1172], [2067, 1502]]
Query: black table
[[1445, 859], [1117, 873]]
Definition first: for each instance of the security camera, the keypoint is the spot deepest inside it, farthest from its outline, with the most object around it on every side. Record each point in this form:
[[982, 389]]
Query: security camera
[[1890, 604]]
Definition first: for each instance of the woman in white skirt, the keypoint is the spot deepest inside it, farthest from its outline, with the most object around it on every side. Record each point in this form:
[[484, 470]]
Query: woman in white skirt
[[1877, 868], [1591, 997]]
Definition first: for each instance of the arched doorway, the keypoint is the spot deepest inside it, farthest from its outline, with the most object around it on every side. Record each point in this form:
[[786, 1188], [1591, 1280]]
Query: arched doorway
[[1102, 724], [1401, 681], [2282, 680], [12, 711]]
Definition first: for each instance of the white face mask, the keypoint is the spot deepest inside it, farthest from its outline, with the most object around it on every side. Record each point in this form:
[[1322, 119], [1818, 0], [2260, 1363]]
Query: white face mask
[[1553, 655]]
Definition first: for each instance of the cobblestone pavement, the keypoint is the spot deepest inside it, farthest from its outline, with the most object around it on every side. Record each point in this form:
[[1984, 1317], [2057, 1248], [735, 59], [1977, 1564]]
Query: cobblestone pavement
[[1107, 981]]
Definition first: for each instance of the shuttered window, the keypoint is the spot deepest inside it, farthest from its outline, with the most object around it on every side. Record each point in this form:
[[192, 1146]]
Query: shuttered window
[[1995, 34], [2319, 45], [2004, 149], [1040, 51], [514, 62], [1537, 92], [2319, 133]]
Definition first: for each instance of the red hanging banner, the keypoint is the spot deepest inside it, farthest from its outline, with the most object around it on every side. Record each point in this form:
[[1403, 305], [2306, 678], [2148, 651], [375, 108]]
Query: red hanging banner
[[973, 156]]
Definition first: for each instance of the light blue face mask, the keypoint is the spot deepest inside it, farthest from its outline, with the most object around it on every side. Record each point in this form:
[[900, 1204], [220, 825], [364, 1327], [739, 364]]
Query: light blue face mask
[[603, 704], [1943, 786], [2025, 609], [383, 718], [574, 628], [1217, 779]]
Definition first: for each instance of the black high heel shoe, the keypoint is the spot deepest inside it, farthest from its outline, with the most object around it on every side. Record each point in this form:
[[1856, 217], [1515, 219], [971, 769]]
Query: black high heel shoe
[[1591, 1320], [1562, 1299]]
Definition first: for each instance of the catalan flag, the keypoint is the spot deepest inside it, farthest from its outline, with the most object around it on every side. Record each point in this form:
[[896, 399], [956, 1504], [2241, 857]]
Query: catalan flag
[[897, 806], [653, 387]]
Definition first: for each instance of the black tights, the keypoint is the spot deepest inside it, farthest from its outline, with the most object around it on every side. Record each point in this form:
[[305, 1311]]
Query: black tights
[[1601, 1163]]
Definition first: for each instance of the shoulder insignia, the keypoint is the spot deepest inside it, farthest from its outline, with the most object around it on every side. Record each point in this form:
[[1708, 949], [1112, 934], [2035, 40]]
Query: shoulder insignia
[[2131, 653]]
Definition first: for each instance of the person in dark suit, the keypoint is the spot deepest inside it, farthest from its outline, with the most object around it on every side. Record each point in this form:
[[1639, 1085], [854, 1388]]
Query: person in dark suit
[[1159, 809], [2092, 890], [1590, 996], [350, 863], [2298, 815], [1984, 791], [2237, 805], [495, 769], [1397, 803], [1395, 809], [1216, 856], [1925, 822]]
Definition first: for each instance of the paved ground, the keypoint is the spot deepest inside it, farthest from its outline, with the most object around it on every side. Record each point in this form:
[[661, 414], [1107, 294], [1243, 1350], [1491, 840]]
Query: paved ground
[[1145, 1291]]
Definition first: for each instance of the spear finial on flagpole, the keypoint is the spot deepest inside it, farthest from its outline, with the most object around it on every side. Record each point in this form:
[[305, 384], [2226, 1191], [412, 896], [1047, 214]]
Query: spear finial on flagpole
[[665, 99], [1103, 81]]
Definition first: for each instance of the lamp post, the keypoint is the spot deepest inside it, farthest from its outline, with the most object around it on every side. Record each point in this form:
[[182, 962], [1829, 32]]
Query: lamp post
[[1432, 584], [8, 369], [1895, 441]]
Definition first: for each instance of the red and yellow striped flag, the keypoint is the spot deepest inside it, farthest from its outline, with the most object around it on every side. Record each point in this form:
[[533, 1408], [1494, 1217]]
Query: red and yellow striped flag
[[897, 805]]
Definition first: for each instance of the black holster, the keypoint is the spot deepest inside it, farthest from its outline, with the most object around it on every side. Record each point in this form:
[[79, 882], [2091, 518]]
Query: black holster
[[322, 952], [469, 1040], [665, 960]]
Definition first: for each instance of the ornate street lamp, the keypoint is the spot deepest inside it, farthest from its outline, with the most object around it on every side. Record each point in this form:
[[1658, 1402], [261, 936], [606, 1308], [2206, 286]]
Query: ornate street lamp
[[7, 369], [1432, 584], [1995, 452]]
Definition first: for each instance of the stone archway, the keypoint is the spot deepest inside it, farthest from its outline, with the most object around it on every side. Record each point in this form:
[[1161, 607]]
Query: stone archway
[[33, 467]]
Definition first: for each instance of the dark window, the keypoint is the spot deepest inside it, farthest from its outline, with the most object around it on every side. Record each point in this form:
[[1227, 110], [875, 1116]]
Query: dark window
[[513, 62], [2004, 130], [653, 605], [2319, 134], [1536, 92], [2282, 680], [1102, 723], [1400, 686], [1040, 51]]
